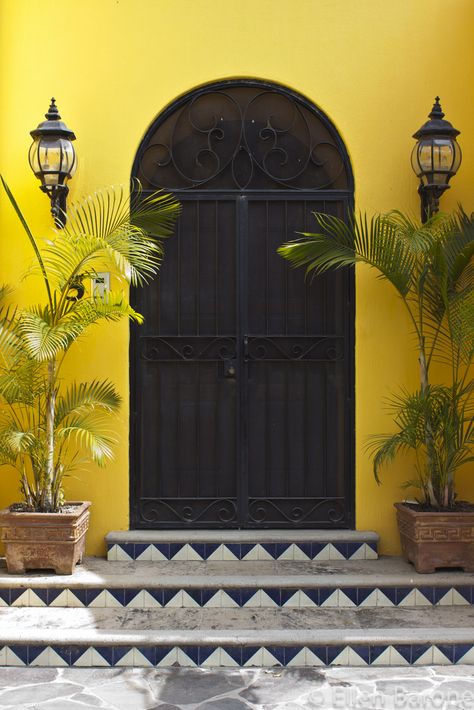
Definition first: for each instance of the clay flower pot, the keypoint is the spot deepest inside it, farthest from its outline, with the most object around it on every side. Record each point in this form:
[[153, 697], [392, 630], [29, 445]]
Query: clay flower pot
[[433, 540], [44, 540]]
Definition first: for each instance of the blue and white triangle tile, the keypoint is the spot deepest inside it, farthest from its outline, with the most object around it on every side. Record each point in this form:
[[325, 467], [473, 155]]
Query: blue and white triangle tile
[[302, 552], [192, 653], [466, 592], [19, 597], [347, 597], [214, 552], [199, 549], [379, 655], [318, 655], [122, 655], [125, 552], [235, 652], [280, 549], [77, 597], [112, 553], [175, 548], [400, 654], [341, 548], [334, 552], [64, 653], [248, 552], [384, 599], [371, 551], [296, 656], [443, 654], [38, 655], [16, 655], [424, 596], [443, 596], [60, 599], [152, 598], [93, 597], [114, 598], [5, 597], [323, 553], [208, 656], [143, 552], [405, 596], [463, 653], [355, 551], [166, 657], [230, 553], [134, 598], [161, 551], [367, 596], [38, 596], [144, 656], [422, 655], [261, 658]]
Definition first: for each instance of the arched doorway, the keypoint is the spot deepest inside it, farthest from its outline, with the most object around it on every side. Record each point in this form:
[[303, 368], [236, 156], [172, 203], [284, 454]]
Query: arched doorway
[[242, 376]]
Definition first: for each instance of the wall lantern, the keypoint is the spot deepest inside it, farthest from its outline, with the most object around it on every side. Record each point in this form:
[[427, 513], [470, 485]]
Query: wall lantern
[[435, 158], [53, 160]]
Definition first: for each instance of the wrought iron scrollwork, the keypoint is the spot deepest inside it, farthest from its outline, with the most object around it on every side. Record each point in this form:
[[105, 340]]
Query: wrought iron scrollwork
[[178, 348], [242, 137], [184, 510], [303, 348], [306, 510]]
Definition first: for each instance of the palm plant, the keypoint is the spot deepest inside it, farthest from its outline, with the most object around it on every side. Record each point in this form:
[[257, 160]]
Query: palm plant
[[48, 427], [431, 268]]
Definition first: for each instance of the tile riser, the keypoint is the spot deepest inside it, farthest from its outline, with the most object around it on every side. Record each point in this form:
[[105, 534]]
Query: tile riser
[[304, 552], [358, 655], [248, 597]]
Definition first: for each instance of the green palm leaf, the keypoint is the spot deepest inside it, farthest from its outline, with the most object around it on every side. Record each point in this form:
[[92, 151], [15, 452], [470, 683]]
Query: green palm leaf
[[83, 397]]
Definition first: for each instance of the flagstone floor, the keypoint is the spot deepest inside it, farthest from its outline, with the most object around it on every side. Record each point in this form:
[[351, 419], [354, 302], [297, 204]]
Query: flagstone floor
[[449, 688]]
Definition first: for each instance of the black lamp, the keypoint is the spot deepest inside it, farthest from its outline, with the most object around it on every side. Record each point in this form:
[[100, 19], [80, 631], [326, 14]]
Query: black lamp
[[435, 158], [53, 160]]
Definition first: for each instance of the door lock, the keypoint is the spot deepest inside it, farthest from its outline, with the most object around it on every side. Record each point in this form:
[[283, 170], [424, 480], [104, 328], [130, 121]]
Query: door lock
[[230, 369]]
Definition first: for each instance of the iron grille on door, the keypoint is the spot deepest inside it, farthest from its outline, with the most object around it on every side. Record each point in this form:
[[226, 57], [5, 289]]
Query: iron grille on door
[[242, 376]]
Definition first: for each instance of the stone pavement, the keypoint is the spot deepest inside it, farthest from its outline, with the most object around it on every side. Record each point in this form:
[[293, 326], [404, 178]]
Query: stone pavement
[[445, 687]]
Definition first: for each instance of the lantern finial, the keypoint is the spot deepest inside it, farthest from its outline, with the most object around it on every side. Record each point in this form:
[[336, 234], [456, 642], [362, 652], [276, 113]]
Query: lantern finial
[[53, 112], [436, 111]]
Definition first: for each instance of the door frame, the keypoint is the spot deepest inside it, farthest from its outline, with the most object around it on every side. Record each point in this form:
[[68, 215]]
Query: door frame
[[347, 196]]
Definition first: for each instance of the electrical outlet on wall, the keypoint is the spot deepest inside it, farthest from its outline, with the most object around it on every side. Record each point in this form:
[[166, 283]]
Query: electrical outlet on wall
[[101, 284]]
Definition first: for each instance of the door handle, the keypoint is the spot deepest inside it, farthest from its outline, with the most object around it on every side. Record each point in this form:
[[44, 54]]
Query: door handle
[[230, 369]]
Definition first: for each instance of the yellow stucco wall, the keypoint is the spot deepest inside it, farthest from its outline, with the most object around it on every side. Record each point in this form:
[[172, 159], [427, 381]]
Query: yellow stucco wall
[[373, 66]]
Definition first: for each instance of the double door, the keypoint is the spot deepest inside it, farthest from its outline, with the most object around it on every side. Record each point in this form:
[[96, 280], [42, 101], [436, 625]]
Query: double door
[[242, 388]]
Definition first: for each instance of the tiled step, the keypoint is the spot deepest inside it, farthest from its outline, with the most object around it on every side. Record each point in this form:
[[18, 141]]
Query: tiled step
[[217, 637], [232, 545], [386, 582]]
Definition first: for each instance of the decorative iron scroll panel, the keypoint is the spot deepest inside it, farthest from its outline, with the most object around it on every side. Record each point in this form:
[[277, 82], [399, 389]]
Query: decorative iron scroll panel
[[243, 372]]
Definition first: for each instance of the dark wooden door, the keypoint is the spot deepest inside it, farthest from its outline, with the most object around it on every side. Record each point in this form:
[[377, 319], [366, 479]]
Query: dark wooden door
[[242, 385]]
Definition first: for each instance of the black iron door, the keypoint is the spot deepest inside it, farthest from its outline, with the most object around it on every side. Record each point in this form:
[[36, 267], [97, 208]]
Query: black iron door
[[243, 372]]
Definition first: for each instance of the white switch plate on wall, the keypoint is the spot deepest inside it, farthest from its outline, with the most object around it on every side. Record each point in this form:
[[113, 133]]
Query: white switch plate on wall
[[101, 284]]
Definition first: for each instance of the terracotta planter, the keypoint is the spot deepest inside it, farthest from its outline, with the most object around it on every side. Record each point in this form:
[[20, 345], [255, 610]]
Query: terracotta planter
[[44, 540], [433, 540]]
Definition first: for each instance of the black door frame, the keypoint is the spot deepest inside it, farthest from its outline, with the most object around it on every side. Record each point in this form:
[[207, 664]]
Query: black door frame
[[327, 195]]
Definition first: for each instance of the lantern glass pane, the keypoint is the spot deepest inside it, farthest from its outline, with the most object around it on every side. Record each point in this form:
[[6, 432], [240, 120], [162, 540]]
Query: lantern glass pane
[[425, 157], [443, 155], [33, 157]]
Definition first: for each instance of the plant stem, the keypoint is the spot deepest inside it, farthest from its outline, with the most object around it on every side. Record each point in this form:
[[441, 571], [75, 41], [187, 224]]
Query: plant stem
[[50, 416]]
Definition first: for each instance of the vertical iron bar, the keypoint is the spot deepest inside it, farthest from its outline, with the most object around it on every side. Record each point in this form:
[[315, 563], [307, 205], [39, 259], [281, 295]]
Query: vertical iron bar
[[242, 367], [197, 294], [178, 278], [267, 298], [285, 266], [216, 267]]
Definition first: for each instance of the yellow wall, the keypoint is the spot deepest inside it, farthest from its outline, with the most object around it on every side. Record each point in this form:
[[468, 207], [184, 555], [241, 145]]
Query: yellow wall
[[373, 66]]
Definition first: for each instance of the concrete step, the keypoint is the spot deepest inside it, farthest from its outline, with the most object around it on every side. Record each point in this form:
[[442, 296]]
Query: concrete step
[[231, 545], [385, 582], [239, 637]]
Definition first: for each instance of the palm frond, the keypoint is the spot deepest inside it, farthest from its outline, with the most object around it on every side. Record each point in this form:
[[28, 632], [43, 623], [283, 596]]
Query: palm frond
[[85, 397], [87, 432], [375, 242]]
